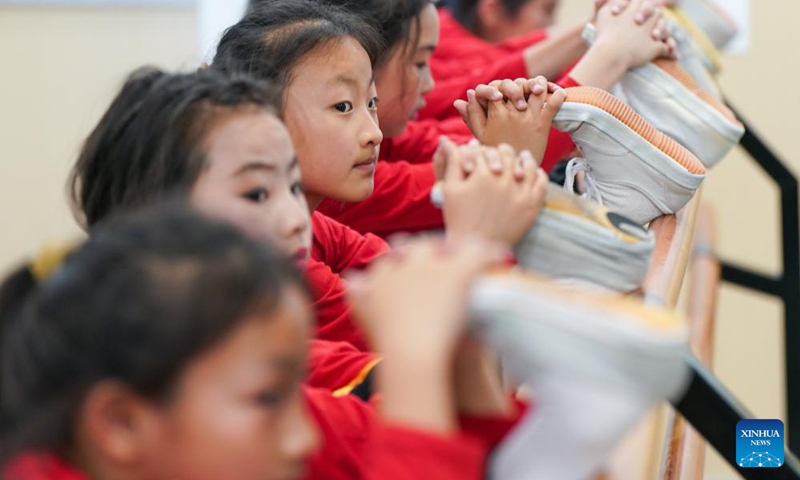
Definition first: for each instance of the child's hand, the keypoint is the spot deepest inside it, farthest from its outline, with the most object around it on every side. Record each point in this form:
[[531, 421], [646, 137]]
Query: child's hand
[[447, 155], [634, 42], [518, 113], [644, 14], [412, 304], [412, 301], [620, 43], [499, 207]]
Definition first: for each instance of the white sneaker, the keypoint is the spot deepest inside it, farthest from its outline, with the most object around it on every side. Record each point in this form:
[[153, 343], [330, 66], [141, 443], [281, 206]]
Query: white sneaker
[[595, 364], [578, 242], [712, 20], [667, 97], [707, 52], [690, 58], [582, 244], [629, 166]]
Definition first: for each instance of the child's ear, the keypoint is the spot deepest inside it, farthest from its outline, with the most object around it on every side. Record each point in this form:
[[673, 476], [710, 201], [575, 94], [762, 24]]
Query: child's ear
[[118, 425]]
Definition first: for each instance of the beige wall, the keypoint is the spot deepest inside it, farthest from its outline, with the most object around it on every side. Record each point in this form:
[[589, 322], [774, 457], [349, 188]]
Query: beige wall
[[61, 67]]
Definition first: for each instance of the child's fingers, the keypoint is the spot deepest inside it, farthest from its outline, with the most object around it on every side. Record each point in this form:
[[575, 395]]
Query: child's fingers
[[495, 83], [514, 94], [537, 101], [528, 167], [461, 108], [661, 31], [644, 13], [509, 158], [476, 114], [485, 94], [619, 6], [439, 160], [554, 103], [494, 161], [632, 8], [672, 46], [655, 16], [539, 187], [663, 50], [452, 166], [476, 156], [524, 84]]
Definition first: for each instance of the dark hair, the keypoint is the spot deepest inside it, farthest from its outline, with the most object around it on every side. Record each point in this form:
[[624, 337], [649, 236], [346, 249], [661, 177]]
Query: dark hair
[[140, 299], [276, 35], [392, 18], [150, 140], [466, 11]]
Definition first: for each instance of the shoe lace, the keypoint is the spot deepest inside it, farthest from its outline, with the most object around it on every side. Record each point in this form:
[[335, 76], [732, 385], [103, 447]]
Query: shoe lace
[[575, 166]]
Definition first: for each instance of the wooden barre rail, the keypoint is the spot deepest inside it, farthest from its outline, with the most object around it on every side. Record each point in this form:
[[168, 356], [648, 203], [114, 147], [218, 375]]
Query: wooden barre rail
[[674, 239], [685, 456]]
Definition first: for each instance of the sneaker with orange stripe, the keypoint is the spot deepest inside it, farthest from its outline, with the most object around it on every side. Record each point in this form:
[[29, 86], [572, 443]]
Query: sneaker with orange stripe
[[665, 95], [580, 243], [595, 363], [629, 166], [712, 20], [690, 58], [709, 54]]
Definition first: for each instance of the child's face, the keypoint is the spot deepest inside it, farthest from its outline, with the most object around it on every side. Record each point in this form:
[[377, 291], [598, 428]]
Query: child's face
[[405, 79], [331, 113], [252, 180], [238, 411]]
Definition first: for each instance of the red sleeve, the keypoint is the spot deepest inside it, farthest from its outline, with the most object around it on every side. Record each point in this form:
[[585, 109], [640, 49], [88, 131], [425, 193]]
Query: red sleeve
[[338, 366], [440, 100], [399, 203], [566, 81], [521, 42], [331, 307], [401, 453], [459, 51], [492, 430], [40, 466], [342, 248], [358, 444], [420, 139]]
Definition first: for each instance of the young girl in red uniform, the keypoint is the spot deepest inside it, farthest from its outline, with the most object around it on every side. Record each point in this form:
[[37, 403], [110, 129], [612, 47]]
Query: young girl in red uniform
[[482, 40], [331, 111], [219, 142], [400, 198], [188, 359]]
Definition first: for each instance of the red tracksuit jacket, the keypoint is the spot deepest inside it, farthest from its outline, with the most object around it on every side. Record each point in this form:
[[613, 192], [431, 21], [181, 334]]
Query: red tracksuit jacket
[[358, 445], [462, 61], [336, 249]]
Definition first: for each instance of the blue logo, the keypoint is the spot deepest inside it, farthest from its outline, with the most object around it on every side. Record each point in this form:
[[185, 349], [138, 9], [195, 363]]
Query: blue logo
[[759, 443]]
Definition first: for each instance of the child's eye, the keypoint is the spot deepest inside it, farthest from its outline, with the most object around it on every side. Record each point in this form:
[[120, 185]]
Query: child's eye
[[422, 65], [343, 107], [269, 398], [297, 188], [373, 103], [257, 195]]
